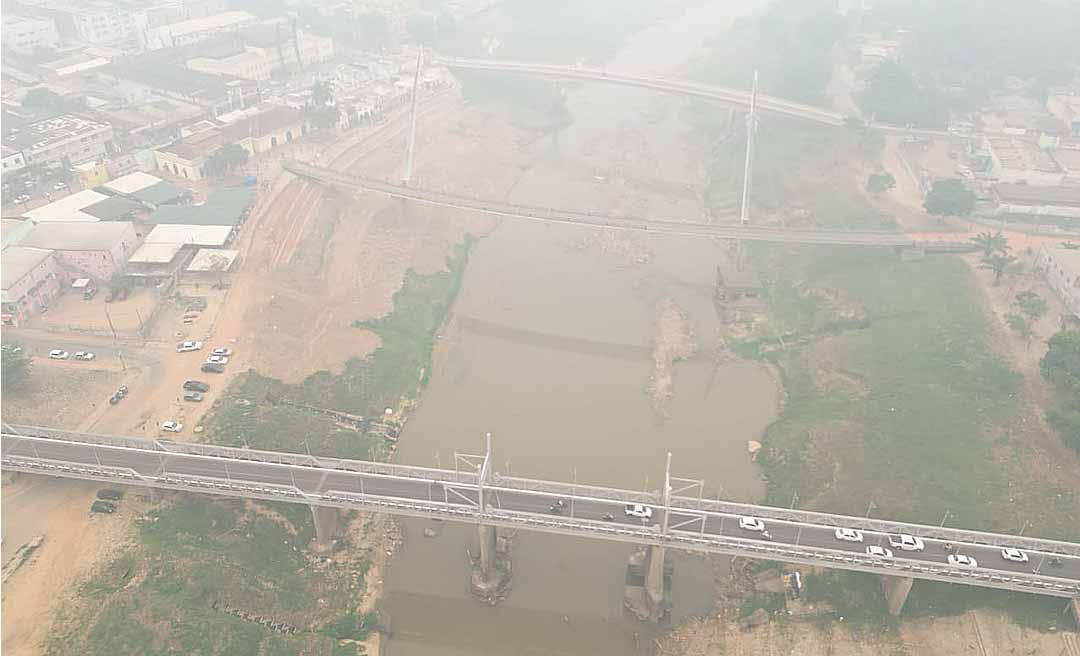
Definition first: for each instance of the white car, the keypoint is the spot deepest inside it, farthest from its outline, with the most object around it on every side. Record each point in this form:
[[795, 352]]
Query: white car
[[638, 510], [222, 350], [878, 552], [906, 542], [59, 185], [218, 359], [84, 355], [960, 560], [188, 346], [57, 354], [1014, 555], [848, 535], [752, 524], [172, 426]]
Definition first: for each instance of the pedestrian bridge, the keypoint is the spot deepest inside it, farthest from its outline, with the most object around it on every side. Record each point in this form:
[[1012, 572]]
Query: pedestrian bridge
[[682, 517]]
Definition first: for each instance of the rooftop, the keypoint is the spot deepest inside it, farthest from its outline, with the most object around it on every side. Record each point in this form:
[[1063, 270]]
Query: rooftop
[[67, 208], [168, 76], [1029, 195], [1067, 159], [132, 182], [1066, 258], [224, 207], [114, 208], [208, 23], [213, 259], [190, 235], [78, 235], [12, 231], [17, 261], [42, 134], [155, 253]]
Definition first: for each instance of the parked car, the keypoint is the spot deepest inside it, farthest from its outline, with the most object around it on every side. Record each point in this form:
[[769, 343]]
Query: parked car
[[58, 354], [752, 524], [878, 552], [22, 198], [172, 426], [849, 535], [89, 293], [218, 359], [84, 355], [222, 351], [193, 396], [110, 495], [59, 185], [102, 507], [196, 386], [120, 393], [213, 368], [960, 560], [188, 346], [1014, 555], [639, 511], [906, 542]]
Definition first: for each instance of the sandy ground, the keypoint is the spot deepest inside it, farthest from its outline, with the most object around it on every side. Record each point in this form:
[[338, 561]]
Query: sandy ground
[[674, 342], [978, 633]]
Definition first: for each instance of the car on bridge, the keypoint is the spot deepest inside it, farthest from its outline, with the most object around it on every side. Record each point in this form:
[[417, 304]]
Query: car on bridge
[[752, 524], [849, 535], [960, 560], [875, 551], [906, 542], [639, 511], [1014, 555]]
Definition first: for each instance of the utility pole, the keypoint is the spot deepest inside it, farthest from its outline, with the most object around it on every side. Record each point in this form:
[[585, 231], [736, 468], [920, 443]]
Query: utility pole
[[412, 120]]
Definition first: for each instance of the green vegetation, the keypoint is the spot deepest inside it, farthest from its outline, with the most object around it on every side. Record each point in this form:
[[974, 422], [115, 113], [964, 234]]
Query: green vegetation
[[880, 182], [893, 95], [789, 44], [998, 263], [950, 198], [225, 159], [1031, 304], [16, 367], [991, 243], [855, 597], [1061, 366]]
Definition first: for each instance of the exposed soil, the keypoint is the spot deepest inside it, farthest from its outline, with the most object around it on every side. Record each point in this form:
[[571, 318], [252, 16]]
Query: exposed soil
[[674, 342]]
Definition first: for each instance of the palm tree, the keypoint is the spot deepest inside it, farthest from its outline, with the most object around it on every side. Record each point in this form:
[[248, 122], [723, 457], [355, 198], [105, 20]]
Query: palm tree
[[997, 262], [992, 243]]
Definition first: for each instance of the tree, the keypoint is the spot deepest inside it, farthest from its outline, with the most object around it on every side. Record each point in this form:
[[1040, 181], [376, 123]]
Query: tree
[[42, 98], [1031, 304], [15, 365], [1061, 364], [1019, 324], [991, 243], [879, 182], [324, 113], [226, 158], [950, 198], [997, 263], [893, 95]]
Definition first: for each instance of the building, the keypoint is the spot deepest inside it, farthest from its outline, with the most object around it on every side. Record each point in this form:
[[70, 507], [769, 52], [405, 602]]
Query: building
[[88, 21], [91, 174], [195, 30], [1069, 161], [1018, 161], [13, 230], [67, 209], [65, 138], [257, 53], [1067, 108], [160, 75], [191, 235], [26, 33], [12, 159], [1061, 266], [147, 190], [257, 134], [224, 207], [30, 280], [94, 249], [1037, 201]]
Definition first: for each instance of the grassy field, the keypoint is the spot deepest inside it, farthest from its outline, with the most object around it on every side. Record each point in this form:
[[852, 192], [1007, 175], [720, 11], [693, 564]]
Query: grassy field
[[197, 557]]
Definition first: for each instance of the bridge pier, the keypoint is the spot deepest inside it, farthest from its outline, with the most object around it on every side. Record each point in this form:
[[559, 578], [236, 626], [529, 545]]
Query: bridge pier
[[491, 573], [896, 589], [1074, 604], [327, 520], [648, 584]]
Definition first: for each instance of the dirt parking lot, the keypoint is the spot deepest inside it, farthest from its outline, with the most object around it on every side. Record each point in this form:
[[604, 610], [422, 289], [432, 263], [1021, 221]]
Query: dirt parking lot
[[71, 313]]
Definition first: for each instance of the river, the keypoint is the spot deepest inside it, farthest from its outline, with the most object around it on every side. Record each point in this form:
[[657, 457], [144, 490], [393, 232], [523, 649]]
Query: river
[[550, 350]]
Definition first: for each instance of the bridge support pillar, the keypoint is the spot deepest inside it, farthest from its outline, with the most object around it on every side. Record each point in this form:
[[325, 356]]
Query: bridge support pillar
[[896, 589], [487, 550], [327, 520], [492, 571], [648, 583], [1074, 604], [654, 576]]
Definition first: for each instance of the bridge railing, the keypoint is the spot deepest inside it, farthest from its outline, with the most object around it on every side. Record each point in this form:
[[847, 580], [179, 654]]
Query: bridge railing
[[878, 525], [572, 490]]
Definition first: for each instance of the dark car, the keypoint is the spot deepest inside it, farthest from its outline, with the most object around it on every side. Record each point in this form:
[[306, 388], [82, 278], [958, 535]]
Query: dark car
[[89, 293], [110, 495], [213, 367], [196, 386], [103, 507], [193, 396]]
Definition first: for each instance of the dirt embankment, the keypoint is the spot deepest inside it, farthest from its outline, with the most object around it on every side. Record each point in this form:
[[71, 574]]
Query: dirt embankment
[[674, 342]]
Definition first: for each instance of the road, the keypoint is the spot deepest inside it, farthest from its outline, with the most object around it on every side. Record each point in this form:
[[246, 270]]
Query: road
[[692, 523], [728, 95], [551, 215]]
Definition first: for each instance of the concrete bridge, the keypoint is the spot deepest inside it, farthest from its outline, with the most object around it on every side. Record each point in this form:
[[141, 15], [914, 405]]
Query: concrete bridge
[[587, 219], [727, 95], [473, 493]]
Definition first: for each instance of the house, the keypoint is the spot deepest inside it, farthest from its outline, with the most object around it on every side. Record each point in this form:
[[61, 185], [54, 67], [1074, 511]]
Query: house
[[30, 279], [26, 33], [147, 189], [95, 249], [68, 208], [1020, 161], [1038, 201], [61, 138], [1061, 266], [1069, 161], [195, 30]]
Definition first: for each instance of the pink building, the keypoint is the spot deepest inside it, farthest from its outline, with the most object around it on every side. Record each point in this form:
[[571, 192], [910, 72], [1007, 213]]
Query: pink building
[[31, 278], [95, 249]]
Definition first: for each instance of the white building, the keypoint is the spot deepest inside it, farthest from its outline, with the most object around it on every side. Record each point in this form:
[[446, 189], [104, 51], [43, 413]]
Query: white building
[[26, 33], [1061, 266], [196, 29], [13, 160]]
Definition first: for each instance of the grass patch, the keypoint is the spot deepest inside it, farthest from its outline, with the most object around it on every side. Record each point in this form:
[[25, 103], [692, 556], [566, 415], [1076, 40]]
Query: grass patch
[[855, 596]]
